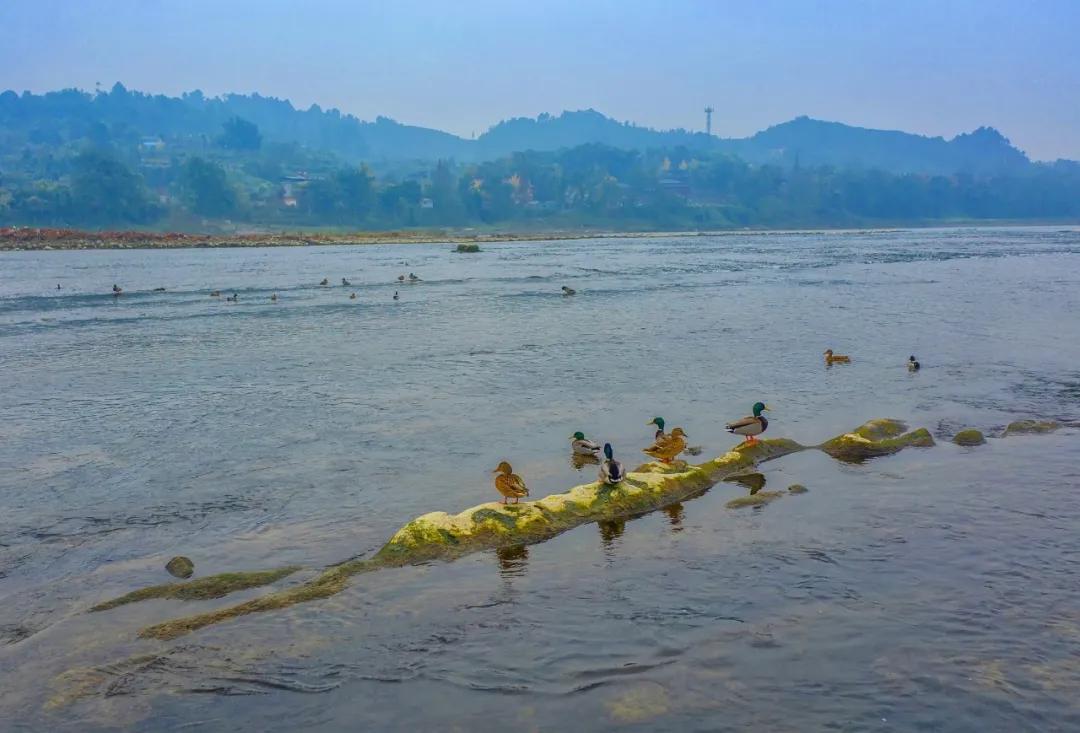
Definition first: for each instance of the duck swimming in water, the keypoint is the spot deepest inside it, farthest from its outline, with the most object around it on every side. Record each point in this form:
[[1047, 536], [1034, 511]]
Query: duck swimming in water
[[233, 298], [667, 447], [401, 278], [752, 425], [831, 358], [912, 364], [413, 278], [509, 484], [352, 297], [274, 297], [568, 291], [325, 281], [611, 471], [396, 296], [581, 446], [116, 290], [345, 283], [215, 293]]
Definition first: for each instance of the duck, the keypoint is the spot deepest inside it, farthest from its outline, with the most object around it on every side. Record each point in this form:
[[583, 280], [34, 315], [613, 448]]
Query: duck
[[352, 297], [159, 290], [57, 286], [325, 281], [413, 278], [659, 423], [396, 296], [401, 278], [116, 290], [568, 291], [831, 358], [582, 446], [215, 293], [273, 297], [509, 484], [233, 298], [611, 471], [667, 447], [751, 425], [345, 283], [912, 364]]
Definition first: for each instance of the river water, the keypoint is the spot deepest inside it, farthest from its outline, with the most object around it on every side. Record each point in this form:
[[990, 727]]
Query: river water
[[936, 589]]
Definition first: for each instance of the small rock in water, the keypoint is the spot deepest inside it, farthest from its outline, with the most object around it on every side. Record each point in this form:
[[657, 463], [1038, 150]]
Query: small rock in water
[[969, 437], [1018, 427], [180, 567], [797, 489]]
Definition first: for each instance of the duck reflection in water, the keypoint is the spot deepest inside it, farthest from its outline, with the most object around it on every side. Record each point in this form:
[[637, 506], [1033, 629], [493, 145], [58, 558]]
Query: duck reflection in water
[[580, 460], [675, 514], [753, 481], [513, 560], [610, 531]]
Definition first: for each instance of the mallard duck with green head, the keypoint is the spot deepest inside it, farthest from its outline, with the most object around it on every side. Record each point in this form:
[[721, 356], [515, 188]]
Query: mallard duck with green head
[[611, 471], [659, 423], [752, 425], [583, 446], [509, 484]]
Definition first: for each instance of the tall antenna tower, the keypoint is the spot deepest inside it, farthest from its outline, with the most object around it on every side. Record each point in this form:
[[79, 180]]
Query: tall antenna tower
[[708, 120]]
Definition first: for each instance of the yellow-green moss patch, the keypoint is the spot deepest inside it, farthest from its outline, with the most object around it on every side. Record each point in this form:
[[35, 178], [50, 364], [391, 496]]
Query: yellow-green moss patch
[[854, 447], [213, 586]]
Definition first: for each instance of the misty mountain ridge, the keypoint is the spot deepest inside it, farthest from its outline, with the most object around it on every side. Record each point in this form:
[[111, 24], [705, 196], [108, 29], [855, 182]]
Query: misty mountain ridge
[[68, 116]]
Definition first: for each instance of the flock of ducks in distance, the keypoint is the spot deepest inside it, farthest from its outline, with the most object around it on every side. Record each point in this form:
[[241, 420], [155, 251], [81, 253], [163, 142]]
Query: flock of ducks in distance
[[412, 278], [666, 447]]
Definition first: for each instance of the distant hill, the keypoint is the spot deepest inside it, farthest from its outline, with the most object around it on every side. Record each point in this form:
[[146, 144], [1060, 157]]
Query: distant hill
[[71, 117]]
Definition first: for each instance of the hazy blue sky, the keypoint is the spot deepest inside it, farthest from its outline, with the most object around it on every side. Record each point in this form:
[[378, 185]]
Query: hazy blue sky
[[934, 67]]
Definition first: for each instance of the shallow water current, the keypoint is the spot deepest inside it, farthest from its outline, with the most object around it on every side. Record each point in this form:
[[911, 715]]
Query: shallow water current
[[936, 589]]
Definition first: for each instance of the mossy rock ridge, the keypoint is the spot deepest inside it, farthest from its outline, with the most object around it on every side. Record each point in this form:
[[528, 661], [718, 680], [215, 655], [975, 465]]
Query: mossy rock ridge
[[442, 536]]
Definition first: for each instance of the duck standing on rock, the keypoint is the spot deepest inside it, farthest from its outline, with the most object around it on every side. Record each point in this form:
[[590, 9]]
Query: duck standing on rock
[[752, 425], [509, 484], [666, 448], [611, 471], [581, 446], [912, 364], [831, 358]]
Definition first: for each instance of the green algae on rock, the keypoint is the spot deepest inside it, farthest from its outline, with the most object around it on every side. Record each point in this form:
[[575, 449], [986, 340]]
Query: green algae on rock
[[443, 536], [467, 248], [876, 438], [180, 567], [213, 586], [1020, 427], [969, 437]]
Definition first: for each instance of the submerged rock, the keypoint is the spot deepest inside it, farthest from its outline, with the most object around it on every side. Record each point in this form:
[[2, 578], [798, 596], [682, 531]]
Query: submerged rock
[[467, 248], [212, 586], [180, 567], [969, 437], [1020, 427], [759, 499], [797, 489]]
